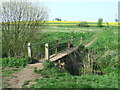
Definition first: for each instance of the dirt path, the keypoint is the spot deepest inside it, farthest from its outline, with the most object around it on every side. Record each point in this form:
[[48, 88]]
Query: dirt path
[[90, 42], [25, 74]]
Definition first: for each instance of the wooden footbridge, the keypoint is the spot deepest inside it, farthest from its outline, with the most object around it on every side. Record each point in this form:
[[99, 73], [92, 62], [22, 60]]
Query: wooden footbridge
[[69, 44]]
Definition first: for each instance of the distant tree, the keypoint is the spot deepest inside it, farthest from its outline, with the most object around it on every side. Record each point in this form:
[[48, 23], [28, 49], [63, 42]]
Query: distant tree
[[83, 24], [58, 19], [107, 24], [99, 23], [20, 21], [116, 20]]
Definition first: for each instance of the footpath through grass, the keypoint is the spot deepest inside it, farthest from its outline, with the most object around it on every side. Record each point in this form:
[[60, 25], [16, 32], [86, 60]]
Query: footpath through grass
[[106, 46]]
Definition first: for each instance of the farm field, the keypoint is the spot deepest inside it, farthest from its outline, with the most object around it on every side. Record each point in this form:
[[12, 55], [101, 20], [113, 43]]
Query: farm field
[[105, 46], [73, 23], [70, 23]]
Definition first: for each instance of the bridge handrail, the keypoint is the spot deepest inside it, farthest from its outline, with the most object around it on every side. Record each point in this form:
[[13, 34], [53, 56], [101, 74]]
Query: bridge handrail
[[49, 41], [57, 44]]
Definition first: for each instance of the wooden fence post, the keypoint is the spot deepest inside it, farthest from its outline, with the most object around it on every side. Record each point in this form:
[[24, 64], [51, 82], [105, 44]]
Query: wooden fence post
[[29, 50], [68, 44], [56, 46], [46, 51], [81, 40]]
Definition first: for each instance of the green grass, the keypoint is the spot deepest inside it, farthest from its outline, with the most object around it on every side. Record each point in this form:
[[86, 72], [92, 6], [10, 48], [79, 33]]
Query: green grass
[[84, 81], [14, 62], [106, 47], [61, 33], [7, 73], [53, 77]]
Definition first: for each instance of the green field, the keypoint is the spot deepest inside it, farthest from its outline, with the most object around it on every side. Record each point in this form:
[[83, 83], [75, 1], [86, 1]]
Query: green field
[[106, 51], [106, 46]]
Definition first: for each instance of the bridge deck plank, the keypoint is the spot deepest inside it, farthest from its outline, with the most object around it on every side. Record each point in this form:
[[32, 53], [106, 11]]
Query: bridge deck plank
[[60, 55]]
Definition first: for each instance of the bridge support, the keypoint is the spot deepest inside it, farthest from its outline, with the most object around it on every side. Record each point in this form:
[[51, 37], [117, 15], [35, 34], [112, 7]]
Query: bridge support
[[56, 50], [71, 39], [68, 44], [29, 50], [81, 40], [46, 51]]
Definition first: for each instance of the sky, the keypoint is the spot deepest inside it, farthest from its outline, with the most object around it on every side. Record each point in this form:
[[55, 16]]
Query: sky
[[81, 10]]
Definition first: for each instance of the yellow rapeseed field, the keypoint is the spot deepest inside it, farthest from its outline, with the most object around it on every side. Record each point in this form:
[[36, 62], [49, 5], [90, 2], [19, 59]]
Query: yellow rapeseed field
[[76, 22], [67, 23]]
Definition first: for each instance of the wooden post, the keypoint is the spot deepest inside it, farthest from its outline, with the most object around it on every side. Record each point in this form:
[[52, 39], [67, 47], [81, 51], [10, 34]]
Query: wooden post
[[29, 50], [56, 46], [81, 40], [68, 44], [46, 51]]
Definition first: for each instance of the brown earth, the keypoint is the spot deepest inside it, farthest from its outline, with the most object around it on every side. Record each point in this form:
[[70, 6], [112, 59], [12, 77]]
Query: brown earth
[[17, 79]]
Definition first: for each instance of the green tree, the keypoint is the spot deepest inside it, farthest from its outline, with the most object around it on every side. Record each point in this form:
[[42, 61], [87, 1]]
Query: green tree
[[21, 21], [99, 23], [58, 19]]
